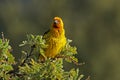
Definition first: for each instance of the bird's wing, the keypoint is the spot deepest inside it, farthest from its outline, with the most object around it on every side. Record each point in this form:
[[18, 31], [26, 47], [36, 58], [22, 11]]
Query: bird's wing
[[45, 34]]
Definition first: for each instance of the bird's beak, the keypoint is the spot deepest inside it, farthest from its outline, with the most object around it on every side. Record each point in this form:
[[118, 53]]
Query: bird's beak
[[56, 22]]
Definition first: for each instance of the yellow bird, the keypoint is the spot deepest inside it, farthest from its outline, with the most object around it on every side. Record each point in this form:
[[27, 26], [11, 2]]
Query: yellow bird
[[55, 38]]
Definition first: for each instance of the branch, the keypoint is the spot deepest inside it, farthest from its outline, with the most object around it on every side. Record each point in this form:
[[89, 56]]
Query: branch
[[14, 72]]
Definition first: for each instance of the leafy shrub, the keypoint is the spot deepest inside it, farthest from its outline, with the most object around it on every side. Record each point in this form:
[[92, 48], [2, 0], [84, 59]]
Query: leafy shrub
[[31, 67]]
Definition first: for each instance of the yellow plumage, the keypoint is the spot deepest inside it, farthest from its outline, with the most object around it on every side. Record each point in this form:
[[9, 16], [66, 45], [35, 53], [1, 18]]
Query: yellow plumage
[[55, 38]]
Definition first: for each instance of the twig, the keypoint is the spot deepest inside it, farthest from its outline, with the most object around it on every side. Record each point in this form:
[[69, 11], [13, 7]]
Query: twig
[[3, 38], [88, 78], [68, 57], [28, 55]]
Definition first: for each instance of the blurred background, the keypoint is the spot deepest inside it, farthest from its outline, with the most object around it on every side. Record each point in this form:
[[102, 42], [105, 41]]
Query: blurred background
[[93, 25]]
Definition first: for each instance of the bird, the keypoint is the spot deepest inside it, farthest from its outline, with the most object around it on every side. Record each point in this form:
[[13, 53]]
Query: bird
[[55, 38]]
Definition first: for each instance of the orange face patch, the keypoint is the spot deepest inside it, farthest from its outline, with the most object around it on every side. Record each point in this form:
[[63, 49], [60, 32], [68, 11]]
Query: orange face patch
[[57, 22]]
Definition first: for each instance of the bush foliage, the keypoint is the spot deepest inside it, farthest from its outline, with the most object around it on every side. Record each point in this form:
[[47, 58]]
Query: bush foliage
[[31, 67]]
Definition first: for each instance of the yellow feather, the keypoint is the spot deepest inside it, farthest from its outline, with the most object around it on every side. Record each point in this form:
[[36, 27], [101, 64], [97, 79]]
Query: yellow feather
[[55, 38]]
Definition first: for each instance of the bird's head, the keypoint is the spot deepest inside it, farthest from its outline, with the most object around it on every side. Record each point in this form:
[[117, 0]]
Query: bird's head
[[57, 23]]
